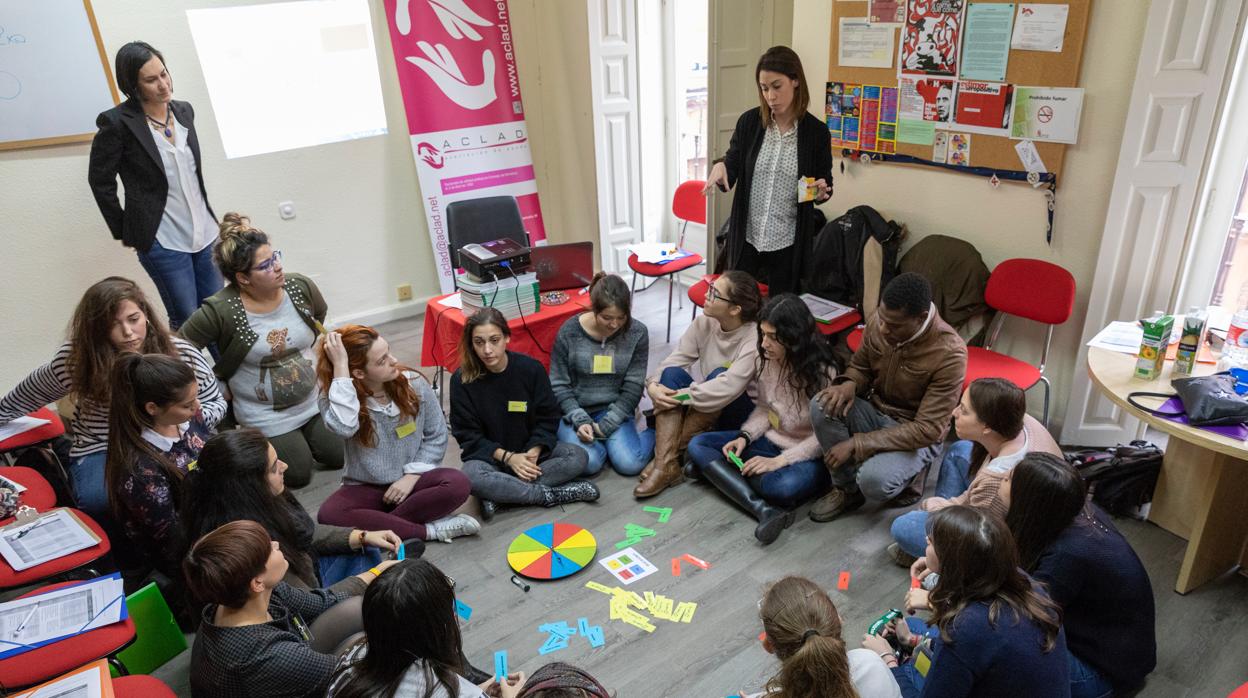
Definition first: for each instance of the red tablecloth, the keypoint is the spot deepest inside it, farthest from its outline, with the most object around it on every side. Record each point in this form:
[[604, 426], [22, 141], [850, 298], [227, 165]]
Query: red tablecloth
[[439, 344]]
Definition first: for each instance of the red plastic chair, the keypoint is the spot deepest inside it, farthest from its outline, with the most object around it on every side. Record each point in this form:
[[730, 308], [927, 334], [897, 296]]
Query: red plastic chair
[[50, 661], [689, 206], [39, 494], [141, 686], [1031, 289], [854, 340], [10, 578]]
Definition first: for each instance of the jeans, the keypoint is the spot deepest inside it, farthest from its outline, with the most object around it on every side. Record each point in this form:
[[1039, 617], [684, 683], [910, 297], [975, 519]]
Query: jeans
[[955, 468], [1086, 681], [731, 417], [183, 279], [436, 494], [87, 472], [335, 568], [496, 482], [910, 529], [627, 450], [882, 476], [786, 487], [306, 446]]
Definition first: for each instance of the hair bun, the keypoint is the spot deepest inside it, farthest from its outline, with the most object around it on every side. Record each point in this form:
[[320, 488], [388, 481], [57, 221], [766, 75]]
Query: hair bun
[[234, 224]]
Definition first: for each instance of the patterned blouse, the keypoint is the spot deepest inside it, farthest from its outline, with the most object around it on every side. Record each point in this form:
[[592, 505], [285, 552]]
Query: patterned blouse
[[772, 220], [147, 509]]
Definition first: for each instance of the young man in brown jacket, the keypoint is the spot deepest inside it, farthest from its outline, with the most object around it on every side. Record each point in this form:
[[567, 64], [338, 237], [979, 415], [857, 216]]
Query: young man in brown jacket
[[884, 420]]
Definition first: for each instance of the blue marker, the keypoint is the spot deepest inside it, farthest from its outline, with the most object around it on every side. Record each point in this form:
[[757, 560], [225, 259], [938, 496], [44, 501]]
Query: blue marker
[[500, 666]]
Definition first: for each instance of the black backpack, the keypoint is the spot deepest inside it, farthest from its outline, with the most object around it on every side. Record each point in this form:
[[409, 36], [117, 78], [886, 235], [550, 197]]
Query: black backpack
[[1120, 478]]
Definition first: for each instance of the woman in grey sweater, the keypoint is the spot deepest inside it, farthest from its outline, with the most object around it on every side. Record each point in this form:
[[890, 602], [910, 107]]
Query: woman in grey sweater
[[597, 372], [395, 441]]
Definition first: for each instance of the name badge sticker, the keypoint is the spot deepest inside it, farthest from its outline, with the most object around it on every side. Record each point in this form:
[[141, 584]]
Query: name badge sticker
[[405, 430], [604, 363], [517, 406]]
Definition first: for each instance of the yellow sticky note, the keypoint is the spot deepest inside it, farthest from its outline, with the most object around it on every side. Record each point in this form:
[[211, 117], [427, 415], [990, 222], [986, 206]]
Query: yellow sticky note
[[650, 597], [598, 587], [517, 406], [638, 621], [774, 419], [687, 615], [922, 663], [405, 430], [604, 363], [192, 465]]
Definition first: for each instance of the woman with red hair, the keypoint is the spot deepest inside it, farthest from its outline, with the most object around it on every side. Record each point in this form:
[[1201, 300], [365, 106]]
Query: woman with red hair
[[395, 440]]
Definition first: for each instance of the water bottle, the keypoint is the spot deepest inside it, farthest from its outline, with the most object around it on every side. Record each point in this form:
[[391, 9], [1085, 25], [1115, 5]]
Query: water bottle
[[1235, 351]]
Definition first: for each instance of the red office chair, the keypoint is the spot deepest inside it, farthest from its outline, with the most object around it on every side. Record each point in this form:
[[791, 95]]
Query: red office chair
[[10, 578], [689, 206], [141, 686], [38, 495], [39, 665], [854, 340], [1032, 289]]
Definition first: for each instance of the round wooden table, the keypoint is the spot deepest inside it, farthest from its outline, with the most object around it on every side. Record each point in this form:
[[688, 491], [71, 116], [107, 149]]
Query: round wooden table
[[1202, 494]]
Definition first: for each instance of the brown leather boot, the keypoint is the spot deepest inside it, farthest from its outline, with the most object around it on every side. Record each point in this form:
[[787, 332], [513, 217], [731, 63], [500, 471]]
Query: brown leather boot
[[666, 470], [695, 423]]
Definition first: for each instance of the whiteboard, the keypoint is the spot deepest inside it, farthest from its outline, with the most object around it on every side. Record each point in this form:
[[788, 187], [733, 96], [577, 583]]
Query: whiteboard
[[54, 76]]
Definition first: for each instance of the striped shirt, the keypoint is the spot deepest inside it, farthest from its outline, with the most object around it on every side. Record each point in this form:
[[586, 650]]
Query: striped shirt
[[52, 381]]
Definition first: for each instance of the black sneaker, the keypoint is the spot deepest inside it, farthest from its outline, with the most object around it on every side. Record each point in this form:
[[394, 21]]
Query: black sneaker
[[569, 492], [488, 509]]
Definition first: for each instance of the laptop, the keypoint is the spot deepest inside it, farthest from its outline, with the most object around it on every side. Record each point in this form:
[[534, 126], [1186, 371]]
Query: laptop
[[565, 266]]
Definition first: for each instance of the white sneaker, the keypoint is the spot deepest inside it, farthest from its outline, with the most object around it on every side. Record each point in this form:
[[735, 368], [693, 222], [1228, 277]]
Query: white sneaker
[[450, 527]]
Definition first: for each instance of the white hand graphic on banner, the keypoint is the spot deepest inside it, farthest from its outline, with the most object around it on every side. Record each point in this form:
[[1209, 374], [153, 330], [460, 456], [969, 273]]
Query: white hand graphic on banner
[[403, 16], [457, 18], [441, 67]]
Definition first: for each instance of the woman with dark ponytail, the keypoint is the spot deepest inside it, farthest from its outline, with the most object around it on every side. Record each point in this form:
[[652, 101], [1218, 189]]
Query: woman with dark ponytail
[[410, 611], [156, 430], [597, 372], [803, 629]]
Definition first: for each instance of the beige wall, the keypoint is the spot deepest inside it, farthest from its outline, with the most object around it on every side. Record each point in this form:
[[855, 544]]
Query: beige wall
[[360, 229], [1009, 221]]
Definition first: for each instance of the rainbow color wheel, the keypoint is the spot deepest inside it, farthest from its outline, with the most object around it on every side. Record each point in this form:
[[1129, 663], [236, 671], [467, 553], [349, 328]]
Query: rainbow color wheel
[[552, 551]]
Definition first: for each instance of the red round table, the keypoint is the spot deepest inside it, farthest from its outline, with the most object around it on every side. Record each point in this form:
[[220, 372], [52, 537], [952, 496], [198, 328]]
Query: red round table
[[439, 345]]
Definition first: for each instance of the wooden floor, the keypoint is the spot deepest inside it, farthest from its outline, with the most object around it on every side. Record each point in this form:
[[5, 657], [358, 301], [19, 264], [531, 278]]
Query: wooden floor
[[1202, 637]]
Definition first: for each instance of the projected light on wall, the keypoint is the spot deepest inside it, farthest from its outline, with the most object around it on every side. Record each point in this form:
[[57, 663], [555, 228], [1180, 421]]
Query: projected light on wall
[[290, 75]]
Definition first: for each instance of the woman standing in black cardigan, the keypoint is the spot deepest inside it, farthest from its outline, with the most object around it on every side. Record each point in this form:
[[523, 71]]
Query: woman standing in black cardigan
[[149, 141], [774, 146]]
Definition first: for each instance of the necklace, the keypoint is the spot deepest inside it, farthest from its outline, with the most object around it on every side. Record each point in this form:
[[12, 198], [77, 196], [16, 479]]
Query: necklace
[[162, 125]]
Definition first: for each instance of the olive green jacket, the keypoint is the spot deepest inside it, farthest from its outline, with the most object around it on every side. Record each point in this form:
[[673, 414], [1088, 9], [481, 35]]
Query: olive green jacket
[[221, 320]]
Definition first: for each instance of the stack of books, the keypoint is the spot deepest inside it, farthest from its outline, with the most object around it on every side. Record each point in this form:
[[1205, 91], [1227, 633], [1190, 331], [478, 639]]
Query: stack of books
[[512, 296]]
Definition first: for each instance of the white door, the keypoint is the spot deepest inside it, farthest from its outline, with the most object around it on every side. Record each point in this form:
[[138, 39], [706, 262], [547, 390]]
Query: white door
[[740, 30], [1182, 74], [617, 151]]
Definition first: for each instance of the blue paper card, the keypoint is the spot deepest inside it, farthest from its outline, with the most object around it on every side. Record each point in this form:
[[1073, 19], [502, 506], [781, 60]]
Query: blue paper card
[[463, 609], [500, 666]]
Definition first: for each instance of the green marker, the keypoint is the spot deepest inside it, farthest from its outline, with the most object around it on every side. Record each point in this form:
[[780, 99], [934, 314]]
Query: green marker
[[736, 460], [682, 397]]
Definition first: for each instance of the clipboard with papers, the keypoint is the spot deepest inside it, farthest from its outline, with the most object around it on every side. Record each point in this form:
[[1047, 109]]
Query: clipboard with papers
[[41, 619], [90, 681], [38, 538]]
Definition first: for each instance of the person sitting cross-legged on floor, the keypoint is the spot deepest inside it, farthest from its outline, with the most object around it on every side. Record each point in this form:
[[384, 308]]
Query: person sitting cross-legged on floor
[[882, 422], [721, 345], [395, 441], [776, 446], [504, 416]]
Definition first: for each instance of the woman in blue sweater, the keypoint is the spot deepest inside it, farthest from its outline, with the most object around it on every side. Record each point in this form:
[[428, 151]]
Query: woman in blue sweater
[[998, 634], [1090, 570], [597, 372]]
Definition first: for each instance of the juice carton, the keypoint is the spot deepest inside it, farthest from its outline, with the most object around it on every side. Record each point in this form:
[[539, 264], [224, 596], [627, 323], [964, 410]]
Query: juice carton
[[1153, 346], [1190, 341]]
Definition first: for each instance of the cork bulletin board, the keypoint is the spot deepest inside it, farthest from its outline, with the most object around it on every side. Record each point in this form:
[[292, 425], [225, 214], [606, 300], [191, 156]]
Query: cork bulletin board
[[1025, 68]]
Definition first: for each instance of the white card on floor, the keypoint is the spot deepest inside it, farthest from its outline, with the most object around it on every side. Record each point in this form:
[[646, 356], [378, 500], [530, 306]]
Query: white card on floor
[[628, 565]]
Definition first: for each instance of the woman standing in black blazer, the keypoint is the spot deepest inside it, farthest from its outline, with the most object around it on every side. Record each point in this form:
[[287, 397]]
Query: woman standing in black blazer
[[149, 140], [773, 146]]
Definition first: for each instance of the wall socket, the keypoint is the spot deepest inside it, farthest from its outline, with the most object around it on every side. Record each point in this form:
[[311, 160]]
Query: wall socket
[[405, 292]]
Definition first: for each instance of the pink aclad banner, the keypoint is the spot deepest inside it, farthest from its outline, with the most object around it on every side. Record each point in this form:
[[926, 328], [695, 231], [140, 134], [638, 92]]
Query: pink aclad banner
[[461, 91]]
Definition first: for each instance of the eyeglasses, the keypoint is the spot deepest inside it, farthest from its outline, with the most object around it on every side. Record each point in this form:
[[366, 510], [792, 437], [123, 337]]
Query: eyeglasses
[[267, 265], [712, 294]]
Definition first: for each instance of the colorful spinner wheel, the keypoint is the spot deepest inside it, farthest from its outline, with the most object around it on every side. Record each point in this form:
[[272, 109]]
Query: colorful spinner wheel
[[552, 551]]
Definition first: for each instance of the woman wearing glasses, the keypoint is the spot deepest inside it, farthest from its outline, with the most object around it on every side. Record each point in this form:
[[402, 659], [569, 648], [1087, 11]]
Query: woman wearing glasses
[[265, 323], [721, 347]]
